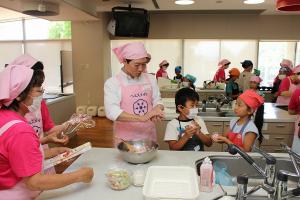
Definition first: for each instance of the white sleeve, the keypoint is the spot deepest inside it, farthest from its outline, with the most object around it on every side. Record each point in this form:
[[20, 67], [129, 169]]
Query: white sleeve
[[156, 98], [112, 99], [171, 132], [202, 125], [251, 128], [232, 122]]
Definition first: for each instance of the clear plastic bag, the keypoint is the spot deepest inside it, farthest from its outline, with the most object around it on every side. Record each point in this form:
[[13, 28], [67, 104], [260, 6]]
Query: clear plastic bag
[[221, 174], [118, 178]]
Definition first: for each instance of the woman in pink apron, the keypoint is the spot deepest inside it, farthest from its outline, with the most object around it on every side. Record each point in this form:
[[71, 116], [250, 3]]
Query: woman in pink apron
[[242, 131], [287, 86], [132, 98], [21, 158], [294, 109], [39, 117]]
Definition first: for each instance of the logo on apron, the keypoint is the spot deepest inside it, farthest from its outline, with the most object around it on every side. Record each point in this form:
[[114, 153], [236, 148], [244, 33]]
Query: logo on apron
[[140, 107]]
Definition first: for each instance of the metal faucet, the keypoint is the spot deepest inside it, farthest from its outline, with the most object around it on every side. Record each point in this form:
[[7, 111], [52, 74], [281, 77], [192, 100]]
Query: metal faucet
[[223, 100], [270, 169], [242, 193], [281, 191], [293, 156], [204, 106]]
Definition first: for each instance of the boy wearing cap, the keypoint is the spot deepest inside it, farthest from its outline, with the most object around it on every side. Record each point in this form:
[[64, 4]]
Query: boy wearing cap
[[189, 81], [178, 78], [242, 131], [245, 76], [232, 88]]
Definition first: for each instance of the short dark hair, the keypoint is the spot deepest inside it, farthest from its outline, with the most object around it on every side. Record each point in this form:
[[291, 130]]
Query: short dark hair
[[37, 80], [183, 95]]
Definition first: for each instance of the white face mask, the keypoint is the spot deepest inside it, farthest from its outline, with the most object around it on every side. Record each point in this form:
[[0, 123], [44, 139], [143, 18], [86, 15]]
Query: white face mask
[[36, 103], [281, 76], [185, 84], [193, 112]]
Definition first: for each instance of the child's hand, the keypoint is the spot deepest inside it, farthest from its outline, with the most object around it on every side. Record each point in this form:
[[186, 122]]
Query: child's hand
[[220, 139], [189, 131]]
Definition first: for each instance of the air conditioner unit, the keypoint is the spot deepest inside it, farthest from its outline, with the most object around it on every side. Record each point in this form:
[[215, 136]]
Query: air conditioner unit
[[40, 8]]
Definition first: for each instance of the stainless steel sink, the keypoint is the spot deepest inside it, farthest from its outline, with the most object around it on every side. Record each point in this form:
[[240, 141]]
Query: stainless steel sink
[[217, 114], [236, 165]]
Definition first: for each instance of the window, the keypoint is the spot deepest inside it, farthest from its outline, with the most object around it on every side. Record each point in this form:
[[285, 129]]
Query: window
[[169, 50], [9, 51], [239, 50], [270, 55], [11, 30], [40, 45], [201, 58], [47, 29], [49, 53]]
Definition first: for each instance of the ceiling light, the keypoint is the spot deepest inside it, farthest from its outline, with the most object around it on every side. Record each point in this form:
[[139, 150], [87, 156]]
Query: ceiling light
[[184, 2], [253, 1]]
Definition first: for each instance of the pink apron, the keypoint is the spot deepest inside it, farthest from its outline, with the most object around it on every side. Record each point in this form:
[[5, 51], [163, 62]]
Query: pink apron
[[137, 100], [19, 191], [286, 100], [36, 122], [296, 141]]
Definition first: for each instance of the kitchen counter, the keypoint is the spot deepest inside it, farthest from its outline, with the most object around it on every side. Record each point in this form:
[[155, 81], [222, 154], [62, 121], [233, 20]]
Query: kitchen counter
[[101, 159], [272, 113]]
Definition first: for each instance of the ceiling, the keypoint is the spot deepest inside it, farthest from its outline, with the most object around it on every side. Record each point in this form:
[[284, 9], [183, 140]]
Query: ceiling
[[79, 10], [200, 6]]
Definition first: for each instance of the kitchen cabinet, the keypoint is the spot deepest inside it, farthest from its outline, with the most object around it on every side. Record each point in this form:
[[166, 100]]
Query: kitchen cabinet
[[275, 133]]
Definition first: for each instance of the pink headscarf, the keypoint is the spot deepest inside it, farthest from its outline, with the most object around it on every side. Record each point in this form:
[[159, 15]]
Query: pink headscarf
[[296, 69], [252, 99], [256, 79], [131, 51], [162, 63], [223, 62], [13, 81], [24, 60], [286, 63]]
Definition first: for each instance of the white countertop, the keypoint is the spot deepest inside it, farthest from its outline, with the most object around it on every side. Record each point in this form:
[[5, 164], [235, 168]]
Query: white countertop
[[272, 113], [101, 159]]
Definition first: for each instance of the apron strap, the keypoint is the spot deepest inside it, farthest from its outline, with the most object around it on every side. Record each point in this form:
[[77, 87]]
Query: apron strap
[[243, 128], [8, 125]]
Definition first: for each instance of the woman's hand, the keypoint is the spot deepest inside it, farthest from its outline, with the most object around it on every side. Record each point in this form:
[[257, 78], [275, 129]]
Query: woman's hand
[[52, 152], [57, 137]]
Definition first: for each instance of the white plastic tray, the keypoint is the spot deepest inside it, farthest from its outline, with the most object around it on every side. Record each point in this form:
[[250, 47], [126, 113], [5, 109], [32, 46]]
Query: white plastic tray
[[171, 182]]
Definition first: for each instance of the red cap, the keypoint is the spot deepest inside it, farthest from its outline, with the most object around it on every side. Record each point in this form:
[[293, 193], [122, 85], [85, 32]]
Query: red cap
[[252, 99]]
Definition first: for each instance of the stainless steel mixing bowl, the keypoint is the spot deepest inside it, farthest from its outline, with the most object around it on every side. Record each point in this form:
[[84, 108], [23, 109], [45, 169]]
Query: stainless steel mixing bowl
[[144, 151]]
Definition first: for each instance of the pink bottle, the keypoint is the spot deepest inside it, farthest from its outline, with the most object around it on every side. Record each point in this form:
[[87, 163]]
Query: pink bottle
[[206, 176]]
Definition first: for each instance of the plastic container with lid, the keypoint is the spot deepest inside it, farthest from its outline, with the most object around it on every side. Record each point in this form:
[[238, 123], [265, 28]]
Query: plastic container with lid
[[118, 179]]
